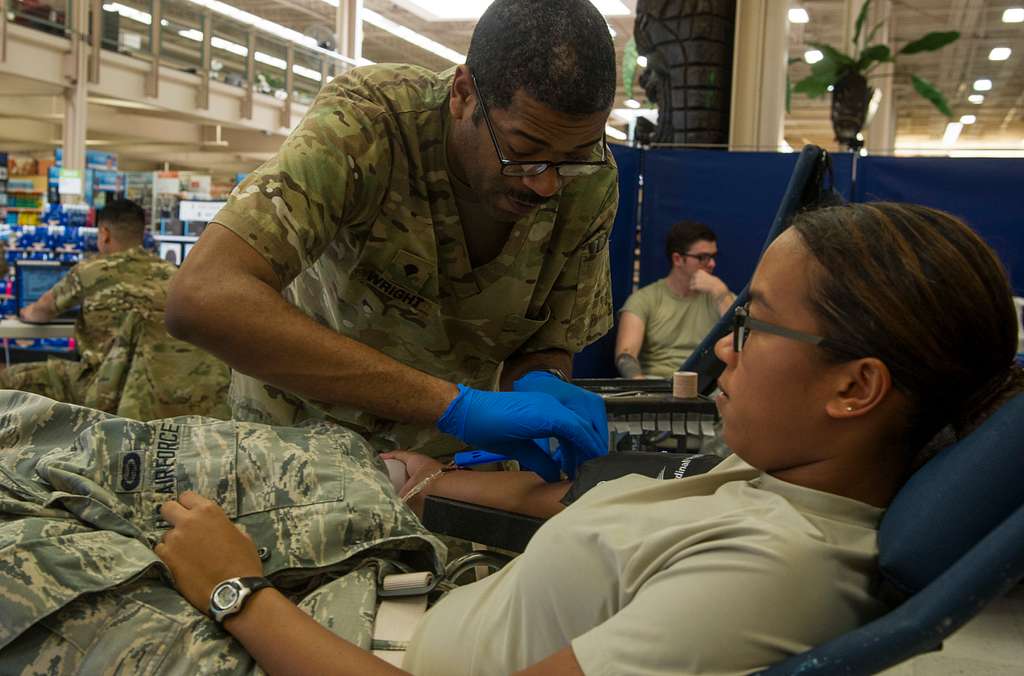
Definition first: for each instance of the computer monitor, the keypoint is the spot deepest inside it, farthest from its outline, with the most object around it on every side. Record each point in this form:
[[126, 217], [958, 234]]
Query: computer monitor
[[34, 278]]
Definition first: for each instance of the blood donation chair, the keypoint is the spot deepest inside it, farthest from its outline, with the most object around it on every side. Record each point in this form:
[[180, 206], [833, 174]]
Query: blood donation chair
[[951, 541]]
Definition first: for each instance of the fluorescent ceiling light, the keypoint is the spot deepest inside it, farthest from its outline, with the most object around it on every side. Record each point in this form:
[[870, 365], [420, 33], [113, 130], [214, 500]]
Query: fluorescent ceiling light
[[1014, 15], [982, 85], [813, 56], [614, 133], [409, 35], [968, 119], [471, 10], [275, 29], [129, 12], [999, 54], [269, 60], [641, 61], [242, 50], [798, 15], [953, 130], [632, 103], [976, 99]]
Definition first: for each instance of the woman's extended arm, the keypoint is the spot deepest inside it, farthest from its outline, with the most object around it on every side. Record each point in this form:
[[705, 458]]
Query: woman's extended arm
[[519, 492]]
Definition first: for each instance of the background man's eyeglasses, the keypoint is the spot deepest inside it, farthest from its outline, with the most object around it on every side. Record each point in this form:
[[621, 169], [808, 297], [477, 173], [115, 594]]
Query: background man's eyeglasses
[[743, 323], [565, 168], [702, 258]]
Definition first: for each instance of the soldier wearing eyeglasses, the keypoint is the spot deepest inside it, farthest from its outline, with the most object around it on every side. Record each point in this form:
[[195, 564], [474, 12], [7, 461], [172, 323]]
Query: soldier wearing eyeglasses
[[419, 233], [662, 323]]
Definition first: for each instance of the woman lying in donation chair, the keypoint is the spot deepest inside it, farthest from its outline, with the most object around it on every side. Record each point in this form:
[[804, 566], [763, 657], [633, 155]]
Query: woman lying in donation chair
[[871, 329]]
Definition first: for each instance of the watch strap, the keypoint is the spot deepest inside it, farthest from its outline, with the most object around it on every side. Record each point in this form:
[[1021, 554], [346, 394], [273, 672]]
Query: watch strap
[[249, 586]]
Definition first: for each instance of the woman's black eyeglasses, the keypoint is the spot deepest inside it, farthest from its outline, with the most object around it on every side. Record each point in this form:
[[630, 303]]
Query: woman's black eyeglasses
[[565, 168], [743, 324]]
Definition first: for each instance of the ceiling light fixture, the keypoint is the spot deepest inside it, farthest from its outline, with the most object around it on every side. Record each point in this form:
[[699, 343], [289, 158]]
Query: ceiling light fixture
[[242, 50], [999, 54], [953, 130], [813, 56], [798, 15], [1014, 15], [982, 85], [275, 29], [968, 119], [976, 99], [374, 19]]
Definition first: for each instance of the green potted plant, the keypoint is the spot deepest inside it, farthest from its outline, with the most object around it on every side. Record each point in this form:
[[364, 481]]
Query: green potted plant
[[847, 76]]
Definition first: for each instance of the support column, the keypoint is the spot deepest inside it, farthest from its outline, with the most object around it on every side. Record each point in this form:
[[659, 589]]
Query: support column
[[880, 135], [3, 31], [349, 28], [153, 79], [96, 39], [250, 76], [289, 87], [759, 75], [203, 98], [76, 105]]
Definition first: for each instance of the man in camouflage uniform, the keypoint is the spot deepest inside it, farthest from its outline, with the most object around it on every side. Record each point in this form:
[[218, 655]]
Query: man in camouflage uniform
[[413, 254], [83, 591], [120, 292]]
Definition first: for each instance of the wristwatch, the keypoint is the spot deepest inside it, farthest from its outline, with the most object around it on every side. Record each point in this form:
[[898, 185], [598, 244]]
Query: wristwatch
[[228, 597]]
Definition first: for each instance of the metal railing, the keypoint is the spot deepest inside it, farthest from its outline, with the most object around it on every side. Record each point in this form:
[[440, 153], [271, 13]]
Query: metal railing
[[195, 36]]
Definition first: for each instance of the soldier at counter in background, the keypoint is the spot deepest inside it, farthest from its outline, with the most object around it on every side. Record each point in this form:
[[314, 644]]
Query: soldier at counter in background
[[122, 294]]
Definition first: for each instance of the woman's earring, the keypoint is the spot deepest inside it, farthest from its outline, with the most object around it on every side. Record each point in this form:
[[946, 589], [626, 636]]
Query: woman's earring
[[849, 409]]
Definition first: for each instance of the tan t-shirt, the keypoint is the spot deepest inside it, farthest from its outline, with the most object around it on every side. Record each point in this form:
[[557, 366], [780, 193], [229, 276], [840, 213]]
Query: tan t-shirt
[[673, 326], [722, 573]]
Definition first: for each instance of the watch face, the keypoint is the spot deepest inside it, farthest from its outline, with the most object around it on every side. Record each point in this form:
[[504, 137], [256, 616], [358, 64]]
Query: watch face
[[225, 596]]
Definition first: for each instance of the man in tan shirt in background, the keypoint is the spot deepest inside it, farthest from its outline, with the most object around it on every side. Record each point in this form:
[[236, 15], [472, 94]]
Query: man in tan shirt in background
[[662, 323]]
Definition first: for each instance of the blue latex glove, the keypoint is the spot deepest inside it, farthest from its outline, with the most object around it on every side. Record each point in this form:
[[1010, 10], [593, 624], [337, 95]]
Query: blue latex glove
[[504, 421], [586, 405]]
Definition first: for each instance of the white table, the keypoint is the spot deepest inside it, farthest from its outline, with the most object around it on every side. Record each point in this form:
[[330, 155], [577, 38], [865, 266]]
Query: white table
[[15, 328]]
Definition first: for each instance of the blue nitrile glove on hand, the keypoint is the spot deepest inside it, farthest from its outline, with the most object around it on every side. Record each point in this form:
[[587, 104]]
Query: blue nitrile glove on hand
[[508, 422], [586, 405]]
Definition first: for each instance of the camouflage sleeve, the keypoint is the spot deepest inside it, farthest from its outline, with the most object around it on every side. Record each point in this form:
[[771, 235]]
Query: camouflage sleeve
[[332, 171], [581, 299], [69, 292]]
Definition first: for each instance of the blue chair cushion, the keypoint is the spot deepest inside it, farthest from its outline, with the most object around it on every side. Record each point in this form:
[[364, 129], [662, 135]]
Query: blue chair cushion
[[954, 500]]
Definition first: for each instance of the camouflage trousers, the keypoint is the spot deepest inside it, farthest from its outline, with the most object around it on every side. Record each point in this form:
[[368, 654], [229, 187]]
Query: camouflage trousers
[[58, 379], [83, 591]]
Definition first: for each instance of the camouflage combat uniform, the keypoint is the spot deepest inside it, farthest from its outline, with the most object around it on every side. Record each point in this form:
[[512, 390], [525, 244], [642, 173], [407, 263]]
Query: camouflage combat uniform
[[83, 592], [356, 213], [122, 297]]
